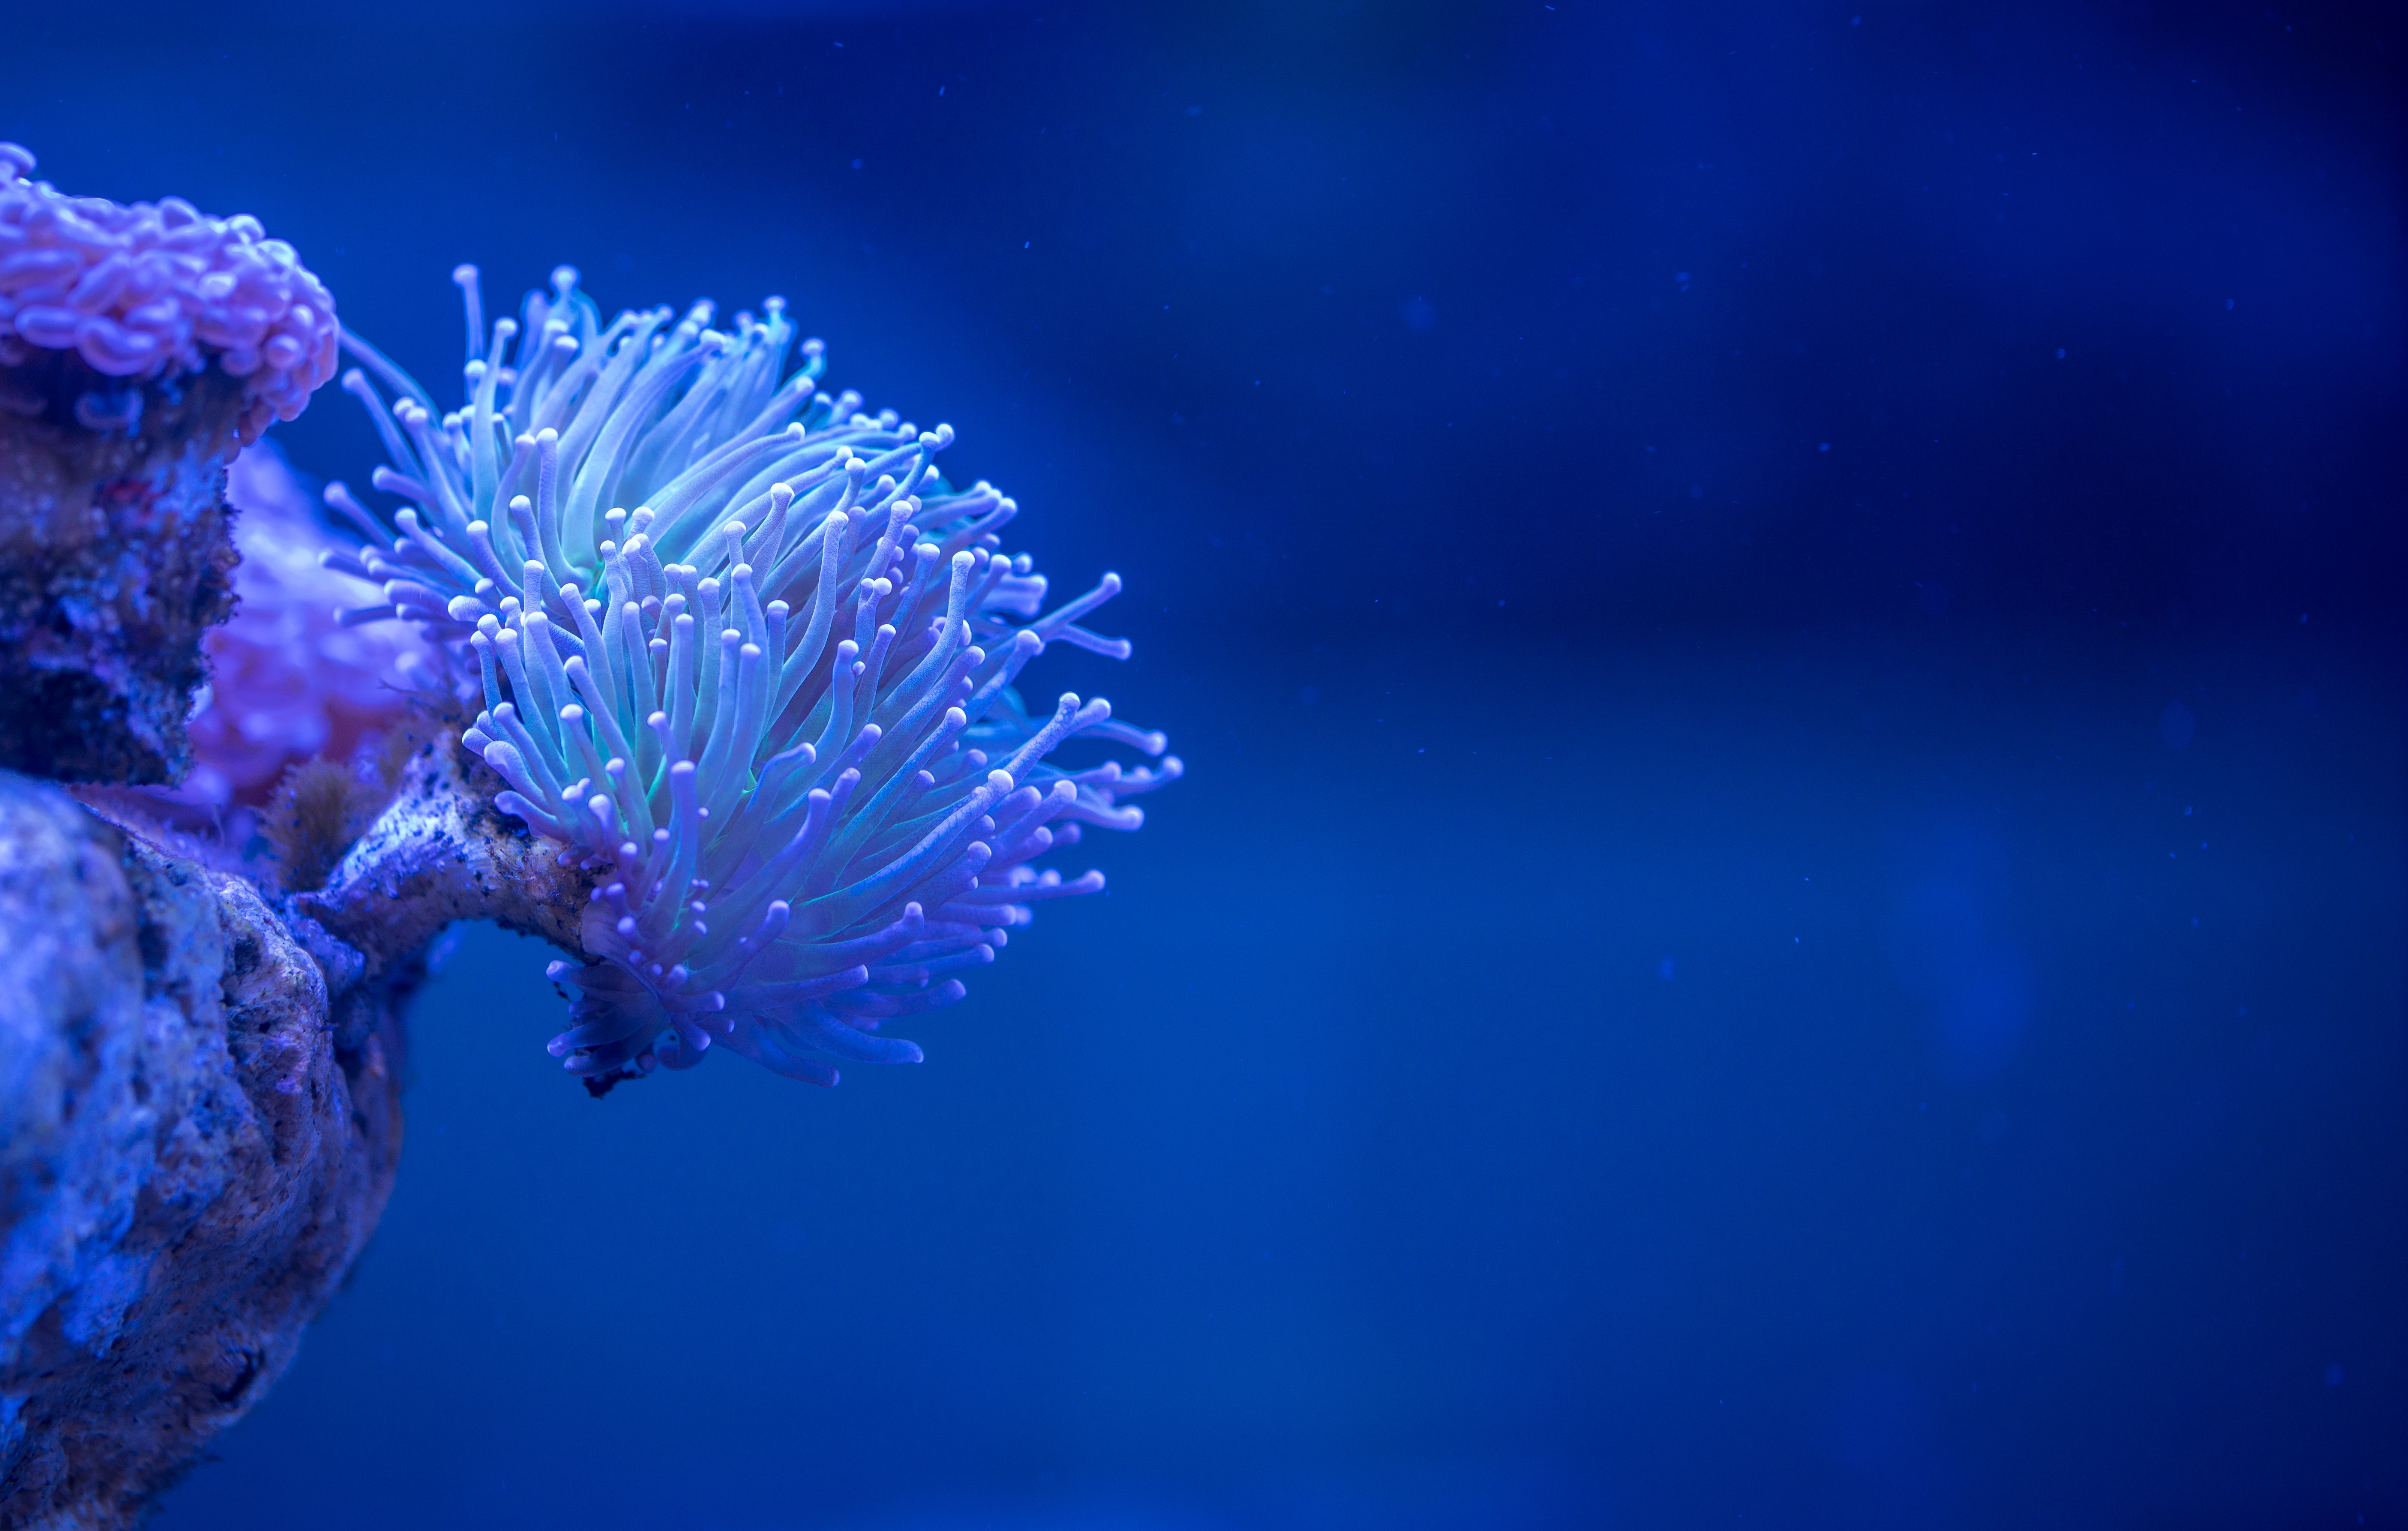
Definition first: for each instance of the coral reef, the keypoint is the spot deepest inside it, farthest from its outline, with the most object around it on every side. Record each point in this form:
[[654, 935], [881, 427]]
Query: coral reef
[[750, 750], [770, 708], [139, 347], [199, 1098]]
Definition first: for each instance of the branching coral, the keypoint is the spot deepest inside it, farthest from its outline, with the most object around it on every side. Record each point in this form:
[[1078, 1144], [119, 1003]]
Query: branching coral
[[154, 290], [746, 657]]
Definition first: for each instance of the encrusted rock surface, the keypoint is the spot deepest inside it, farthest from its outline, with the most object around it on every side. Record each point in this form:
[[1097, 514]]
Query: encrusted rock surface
[[441, 852], [200, 1110], [116, 555], [194, 1146]]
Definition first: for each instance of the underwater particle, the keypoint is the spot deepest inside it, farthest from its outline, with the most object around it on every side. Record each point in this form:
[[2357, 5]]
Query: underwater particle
[[2177, 725], [746, 660], [139, 348]]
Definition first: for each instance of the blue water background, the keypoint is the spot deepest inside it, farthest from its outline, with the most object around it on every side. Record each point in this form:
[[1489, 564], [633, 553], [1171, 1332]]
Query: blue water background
[[1787, 625]]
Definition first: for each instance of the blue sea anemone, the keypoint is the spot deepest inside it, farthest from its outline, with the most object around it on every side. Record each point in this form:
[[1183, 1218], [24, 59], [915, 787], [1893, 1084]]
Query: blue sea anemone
[[748, 658]]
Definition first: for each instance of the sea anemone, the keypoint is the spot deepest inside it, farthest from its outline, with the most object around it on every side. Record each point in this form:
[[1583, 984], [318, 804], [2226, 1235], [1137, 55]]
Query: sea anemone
[[770, 706], [153, 291]]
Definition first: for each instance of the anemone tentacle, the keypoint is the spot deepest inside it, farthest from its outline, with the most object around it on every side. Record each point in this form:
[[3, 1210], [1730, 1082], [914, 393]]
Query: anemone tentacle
[[744, 652]]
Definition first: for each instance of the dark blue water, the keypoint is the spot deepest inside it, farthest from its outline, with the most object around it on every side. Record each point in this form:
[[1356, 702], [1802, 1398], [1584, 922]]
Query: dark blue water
[[1789, 906]]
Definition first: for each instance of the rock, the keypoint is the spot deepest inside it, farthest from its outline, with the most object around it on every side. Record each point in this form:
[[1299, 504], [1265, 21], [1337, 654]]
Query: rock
[[116, 555], [190, 1155]]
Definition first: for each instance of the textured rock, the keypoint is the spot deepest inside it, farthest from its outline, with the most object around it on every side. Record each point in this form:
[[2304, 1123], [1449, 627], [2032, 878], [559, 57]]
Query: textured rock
[[116, 554], [194, 1148], [440, 852], [198, 1129]]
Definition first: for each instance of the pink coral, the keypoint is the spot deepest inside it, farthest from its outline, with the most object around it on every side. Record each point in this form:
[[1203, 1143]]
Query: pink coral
[[288, 680], [158, 289]]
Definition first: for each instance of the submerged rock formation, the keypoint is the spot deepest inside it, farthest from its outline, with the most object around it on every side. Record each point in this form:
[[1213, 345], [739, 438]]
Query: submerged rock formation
[[199, 1115], [116, 555], [193, 1151], [140, 347]]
